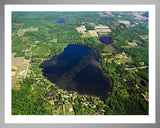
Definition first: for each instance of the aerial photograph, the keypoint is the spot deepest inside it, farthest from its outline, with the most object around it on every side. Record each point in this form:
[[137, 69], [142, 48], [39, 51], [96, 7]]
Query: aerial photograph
[[80, 63]]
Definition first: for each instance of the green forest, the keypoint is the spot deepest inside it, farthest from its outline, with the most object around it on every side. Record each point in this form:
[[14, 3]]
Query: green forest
[[37, 37]]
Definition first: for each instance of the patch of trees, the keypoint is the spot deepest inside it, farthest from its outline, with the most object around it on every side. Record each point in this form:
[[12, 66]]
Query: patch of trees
[[139, 54], [127, 34], [89, 26], [141, 29], [114, 106], [143, 73], [79, 109], [24, 102], [146, 14], [19, 45]]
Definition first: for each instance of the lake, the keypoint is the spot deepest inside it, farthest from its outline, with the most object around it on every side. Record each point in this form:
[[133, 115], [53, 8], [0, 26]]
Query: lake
[[78, 69], [61, 21]]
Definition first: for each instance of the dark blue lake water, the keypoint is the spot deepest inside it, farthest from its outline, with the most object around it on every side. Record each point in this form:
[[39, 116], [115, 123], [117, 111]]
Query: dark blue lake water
[[78, 69], [106, 40], [61, 21]]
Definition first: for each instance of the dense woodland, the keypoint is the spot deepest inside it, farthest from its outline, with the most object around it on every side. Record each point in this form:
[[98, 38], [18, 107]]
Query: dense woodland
[[36, 92]]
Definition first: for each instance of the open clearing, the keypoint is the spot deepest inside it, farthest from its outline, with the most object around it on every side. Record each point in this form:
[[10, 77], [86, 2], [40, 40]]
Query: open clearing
[[144, 36], [123, 58], [18, 24], [139, 16], [19, 65], [93, 33], [86, 34], [101, 28], [124, 22], [133, 44], [21, 32], [110, 49], [92, 23], [119, 59], [90, 33], [81, 29]]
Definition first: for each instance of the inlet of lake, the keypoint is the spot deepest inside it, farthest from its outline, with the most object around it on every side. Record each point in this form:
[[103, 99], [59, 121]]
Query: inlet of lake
[[78, 69]]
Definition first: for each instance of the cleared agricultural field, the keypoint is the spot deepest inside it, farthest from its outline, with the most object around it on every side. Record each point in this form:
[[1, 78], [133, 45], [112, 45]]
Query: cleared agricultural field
[[133, 44], [19, 65], [102, 28], [124, 22], [110, 49], [123, 58], [21, 32], [144, 36], [99, 30], [81, 29]]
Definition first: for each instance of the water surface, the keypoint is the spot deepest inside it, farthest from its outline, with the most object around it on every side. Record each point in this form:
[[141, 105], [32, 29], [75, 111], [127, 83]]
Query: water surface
[[77, 69], [106, 40], [61, 21]]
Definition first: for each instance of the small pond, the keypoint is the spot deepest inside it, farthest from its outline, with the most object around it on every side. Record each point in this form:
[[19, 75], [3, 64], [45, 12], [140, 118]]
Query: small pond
[[106, 40], [61, 21]]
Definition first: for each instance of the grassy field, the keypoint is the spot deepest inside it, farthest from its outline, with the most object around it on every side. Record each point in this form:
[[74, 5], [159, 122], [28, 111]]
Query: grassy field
[[19, 65], [123, 58], [124, 22], [21, 32], [110, 49], [87, 34]]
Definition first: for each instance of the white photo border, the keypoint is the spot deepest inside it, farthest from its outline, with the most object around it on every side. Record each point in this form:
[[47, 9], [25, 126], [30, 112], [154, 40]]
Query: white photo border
[[87, 118]]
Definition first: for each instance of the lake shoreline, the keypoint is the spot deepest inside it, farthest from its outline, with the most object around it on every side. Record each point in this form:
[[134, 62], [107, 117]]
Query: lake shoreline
[[97, 53]]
